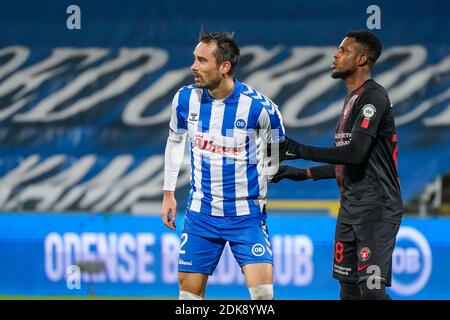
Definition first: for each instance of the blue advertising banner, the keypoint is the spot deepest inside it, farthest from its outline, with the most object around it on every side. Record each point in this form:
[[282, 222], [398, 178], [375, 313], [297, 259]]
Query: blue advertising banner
[[131, 256]]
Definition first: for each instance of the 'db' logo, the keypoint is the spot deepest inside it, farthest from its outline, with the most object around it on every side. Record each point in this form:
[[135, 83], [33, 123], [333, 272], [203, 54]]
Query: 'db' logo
[[240, 124], [258, 250], [411, 262]]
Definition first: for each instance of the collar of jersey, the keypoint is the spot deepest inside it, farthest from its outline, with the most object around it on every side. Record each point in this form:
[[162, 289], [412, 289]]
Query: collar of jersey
[[233, 97]]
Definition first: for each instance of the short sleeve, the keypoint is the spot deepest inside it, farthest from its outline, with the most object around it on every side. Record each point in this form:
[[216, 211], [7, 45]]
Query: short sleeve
[[370, 110]]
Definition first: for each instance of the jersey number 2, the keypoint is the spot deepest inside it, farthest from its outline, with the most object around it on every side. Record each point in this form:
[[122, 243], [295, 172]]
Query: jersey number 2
[[184, 238]]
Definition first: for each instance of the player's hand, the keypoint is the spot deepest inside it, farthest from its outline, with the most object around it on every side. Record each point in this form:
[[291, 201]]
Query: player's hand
[[169, 210], [291, 173]]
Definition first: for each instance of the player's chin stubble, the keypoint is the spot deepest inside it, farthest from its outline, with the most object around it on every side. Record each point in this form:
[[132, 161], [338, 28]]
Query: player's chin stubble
[[341, 74], [210, 85]]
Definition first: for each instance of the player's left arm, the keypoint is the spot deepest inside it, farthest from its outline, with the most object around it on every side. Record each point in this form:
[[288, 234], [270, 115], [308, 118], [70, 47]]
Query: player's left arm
[[371, 109], [273, 133]]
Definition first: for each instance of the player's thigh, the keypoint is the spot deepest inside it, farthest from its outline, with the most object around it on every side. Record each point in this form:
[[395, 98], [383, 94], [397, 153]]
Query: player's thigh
[[193, 282], [345, 253], [199, 254], [251, 247], [258, 273], [376, 243]]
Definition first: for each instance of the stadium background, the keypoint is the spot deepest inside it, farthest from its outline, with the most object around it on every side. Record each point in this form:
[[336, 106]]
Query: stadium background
[[83, 123]]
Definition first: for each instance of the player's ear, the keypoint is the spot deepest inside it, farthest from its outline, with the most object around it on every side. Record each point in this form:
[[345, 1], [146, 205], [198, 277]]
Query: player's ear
[[225, 67], [363, 60]]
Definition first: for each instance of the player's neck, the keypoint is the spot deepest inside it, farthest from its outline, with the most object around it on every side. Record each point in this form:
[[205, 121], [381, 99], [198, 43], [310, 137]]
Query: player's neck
[[223, 90], [356, 80]]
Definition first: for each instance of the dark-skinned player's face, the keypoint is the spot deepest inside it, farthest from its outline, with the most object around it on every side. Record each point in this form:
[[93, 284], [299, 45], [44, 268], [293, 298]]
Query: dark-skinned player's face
[[347, 59]]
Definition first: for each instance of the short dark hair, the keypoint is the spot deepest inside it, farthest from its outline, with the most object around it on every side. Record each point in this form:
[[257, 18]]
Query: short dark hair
[[227, 48], [370, 41]]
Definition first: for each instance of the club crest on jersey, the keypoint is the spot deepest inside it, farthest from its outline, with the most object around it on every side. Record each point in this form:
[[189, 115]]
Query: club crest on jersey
[[368, 111], [240, 123], [258, 250], [364, 254]]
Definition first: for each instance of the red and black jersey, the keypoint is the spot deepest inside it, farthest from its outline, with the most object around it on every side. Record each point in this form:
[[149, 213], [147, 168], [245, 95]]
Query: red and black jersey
[[370, 190], [363, 159]]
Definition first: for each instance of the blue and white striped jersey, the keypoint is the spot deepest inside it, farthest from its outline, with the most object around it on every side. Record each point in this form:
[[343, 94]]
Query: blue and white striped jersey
[[228, 140]]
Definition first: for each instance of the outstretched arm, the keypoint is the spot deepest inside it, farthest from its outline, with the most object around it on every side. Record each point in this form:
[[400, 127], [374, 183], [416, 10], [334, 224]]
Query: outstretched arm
[[299, 174], [323, 172], [353, 153], [369, 113]]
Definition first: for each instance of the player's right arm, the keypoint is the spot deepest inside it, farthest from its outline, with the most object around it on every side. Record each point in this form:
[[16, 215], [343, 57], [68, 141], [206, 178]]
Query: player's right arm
[[173, 159]]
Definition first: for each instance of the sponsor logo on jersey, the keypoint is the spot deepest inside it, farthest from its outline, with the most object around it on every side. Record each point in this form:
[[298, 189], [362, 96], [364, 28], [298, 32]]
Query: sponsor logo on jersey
[[209, 145], [362, 267], [368, 111], [184, 263], [193, 116]]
